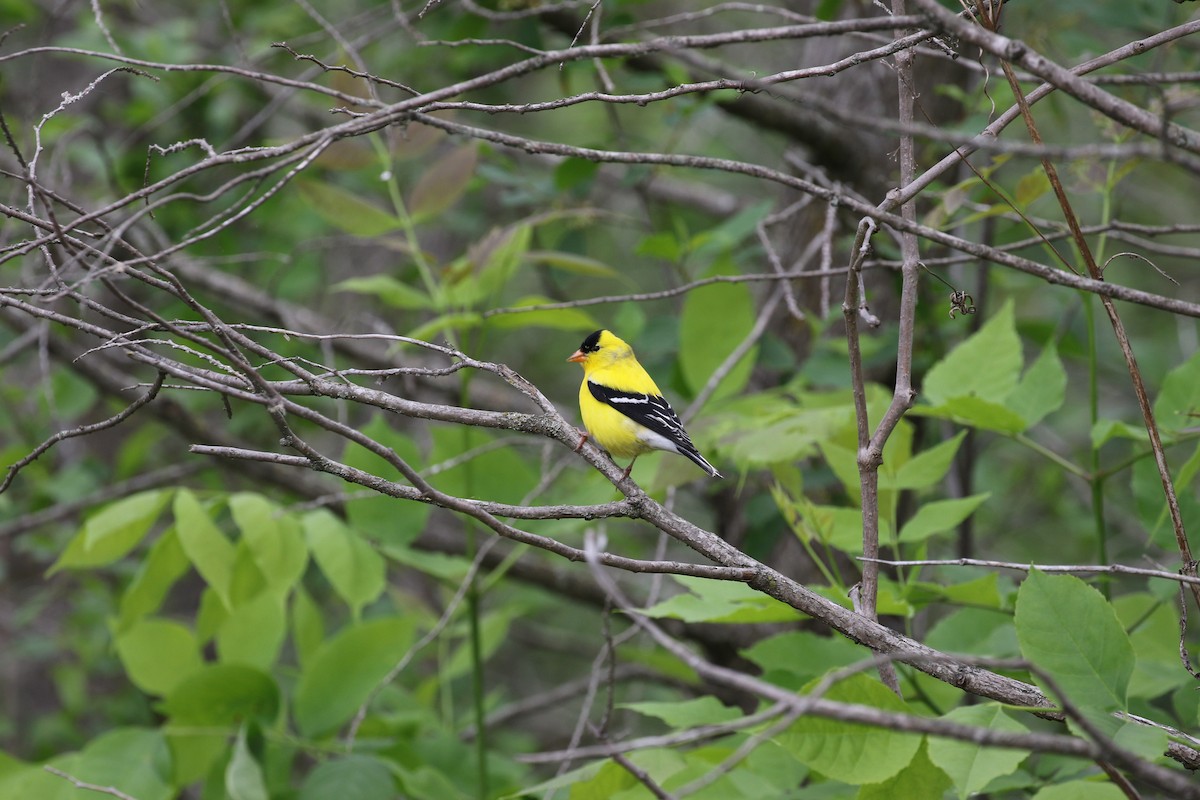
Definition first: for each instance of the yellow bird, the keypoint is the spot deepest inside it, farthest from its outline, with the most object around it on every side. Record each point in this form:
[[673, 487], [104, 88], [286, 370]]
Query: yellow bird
[[622, 408]]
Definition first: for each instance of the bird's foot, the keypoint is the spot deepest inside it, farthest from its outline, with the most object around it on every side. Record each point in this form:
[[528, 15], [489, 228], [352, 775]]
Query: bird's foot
[[582, 439]]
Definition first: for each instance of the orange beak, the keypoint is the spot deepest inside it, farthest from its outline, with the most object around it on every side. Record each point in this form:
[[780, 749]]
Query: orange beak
[[578, 357]]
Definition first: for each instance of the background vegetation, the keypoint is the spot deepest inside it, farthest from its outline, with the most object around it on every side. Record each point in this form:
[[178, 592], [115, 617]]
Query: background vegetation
[[291, 508]]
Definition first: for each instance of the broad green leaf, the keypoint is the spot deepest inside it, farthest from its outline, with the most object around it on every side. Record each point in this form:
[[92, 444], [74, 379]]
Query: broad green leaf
[[207, 548], [244, 778], [253, 632], [157, 654], [987, 365], [926, 468], [352, 566], [1179, 397], [572, 262], [1143, 741], [112, 532], [837, 526], [1042, 389], [439, 565], [572, 172], [715, 320], [274, 539], [1031, 186], [443, 183], [1080, 790], [165, 564], [565, 319], [223, 694], [731, 232], [970, 766], [308, 626], [498, 257], [721, 601], [134, 761], [801, 656], [502, 474], [940, 516], [981, 592], [389, 290], [345, 210], [1153, 628], [687, 713], [354, 776], [457, 321], [345, 670], [920, 779], [1068, 629], [975, 631], [1105, 430], [852, 753], [378, 516], [664, 245], [978, 413]]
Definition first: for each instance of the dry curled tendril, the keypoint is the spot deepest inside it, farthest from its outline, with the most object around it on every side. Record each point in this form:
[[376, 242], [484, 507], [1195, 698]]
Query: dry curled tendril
[[961, 302]]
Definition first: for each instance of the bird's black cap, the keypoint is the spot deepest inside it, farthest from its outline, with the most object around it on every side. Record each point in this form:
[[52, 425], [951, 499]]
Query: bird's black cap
[[592, 343]]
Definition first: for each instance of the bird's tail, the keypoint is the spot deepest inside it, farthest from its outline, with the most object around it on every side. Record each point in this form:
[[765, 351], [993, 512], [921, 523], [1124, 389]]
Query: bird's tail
[[701, 461]]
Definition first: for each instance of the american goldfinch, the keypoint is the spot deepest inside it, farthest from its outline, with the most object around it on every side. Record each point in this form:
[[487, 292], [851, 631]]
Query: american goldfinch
[[622, 407]]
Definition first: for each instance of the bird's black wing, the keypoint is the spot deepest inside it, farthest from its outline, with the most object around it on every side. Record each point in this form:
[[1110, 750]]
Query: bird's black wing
[[654, 412]]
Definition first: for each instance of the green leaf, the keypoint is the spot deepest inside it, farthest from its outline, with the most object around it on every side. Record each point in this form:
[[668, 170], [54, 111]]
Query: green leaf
[[940, 516], [715, 319], [1031, 186], [352, 566], [687, 713], [134, 761], [244, 777], [378, 516], [388, 290], [112, 532], [837, 526], [308, 626], [986, 365], [572, 172], [165, 564], [1153, 629], [777, 655], [731, 232], [920, 779], [1068, 629], [852, 753], [209, 551], [926, 468], [573, 263], [253, 632], [565, 319], [1144, 741], [1105, 430], [345, 210], [978, 413], [345, 670], [274, 539], [223, 694], [446, 180], [721, 601], [457, 321], [970, 766], [1179, 397], [157, 654], [1042, 390], [358, 777]]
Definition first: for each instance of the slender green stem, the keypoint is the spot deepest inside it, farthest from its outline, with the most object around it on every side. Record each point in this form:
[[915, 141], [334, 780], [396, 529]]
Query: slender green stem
[[406, 221], [1047, 453]]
